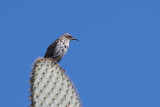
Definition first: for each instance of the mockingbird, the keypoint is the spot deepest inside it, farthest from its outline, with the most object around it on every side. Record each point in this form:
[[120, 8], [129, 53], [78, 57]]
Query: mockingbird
[[59, 47]]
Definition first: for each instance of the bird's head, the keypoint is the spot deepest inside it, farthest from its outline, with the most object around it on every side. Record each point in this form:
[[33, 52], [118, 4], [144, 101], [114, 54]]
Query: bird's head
[[68, 36]]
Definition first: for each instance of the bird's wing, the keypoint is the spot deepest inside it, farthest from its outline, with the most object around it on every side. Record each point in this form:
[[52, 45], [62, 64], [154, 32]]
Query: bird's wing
[[50, 49]]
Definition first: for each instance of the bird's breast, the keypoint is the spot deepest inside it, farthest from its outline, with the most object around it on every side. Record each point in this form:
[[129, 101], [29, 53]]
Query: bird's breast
[[61, 48]]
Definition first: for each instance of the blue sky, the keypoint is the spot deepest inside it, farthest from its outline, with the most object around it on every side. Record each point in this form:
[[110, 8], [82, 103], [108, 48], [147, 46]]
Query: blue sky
[[116, 63]]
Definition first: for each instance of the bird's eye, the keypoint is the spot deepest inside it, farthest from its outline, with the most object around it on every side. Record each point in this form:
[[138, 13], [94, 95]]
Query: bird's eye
[[69, 36]]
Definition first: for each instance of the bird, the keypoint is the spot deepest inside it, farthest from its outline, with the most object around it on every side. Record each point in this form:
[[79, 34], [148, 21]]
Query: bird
[[59, 47]]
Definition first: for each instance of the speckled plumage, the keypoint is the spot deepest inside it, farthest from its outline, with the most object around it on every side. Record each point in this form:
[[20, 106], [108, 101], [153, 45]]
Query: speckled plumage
[[59, 47]]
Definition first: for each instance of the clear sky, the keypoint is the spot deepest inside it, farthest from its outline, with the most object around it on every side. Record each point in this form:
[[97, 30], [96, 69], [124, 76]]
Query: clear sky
[[116, 63]]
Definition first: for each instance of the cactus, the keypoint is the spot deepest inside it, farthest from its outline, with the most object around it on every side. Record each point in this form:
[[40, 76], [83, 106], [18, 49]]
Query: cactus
[[50, 86]]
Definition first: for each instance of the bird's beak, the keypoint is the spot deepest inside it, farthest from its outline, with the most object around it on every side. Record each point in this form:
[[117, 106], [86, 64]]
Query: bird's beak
[[74, 39]]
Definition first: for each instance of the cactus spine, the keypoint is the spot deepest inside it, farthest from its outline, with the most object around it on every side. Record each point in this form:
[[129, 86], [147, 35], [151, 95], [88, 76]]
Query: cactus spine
[[50, 86]]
